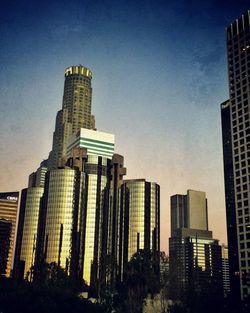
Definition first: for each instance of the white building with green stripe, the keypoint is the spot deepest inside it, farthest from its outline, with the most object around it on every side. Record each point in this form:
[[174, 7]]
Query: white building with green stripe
[[96, 142]]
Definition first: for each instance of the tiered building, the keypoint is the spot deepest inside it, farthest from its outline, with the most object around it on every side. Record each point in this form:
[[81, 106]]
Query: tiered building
[[75, 112]]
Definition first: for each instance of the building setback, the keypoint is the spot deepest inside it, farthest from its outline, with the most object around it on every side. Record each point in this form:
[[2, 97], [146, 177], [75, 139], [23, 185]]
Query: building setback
[[236, 153], [8, 214]]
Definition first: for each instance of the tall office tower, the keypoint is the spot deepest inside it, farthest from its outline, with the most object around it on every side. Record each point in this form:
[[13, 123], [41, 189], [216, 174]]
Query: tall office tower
[[236, 150], [75, 113], [195, 258], [60, 211], [109, 274], [225, 270], [100, 151], [97, 171], [8, 212], [140, 220], [229, 183], [28, 222], [29, 234]]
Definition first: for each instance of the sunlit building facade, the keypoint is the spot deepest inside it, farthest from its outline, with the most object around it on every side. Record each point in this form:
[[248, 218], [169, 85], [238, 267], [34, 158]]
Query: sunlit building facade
[[74, 215], [61, 205], [140, 207], [29, 234], [8, 212], [26, 238], [236, 153], [97, 171], [75, 113], [96, 142]]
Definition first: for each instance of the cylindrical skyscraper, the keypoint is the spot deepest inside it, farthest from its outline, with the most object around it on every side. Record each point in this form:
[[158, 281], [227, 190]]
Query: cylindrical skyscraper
[[75, 113]]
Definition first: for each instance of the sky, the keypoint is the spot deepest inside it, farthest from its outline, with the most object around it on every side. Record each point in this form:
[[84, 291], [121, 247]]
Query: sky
[[159, 76]]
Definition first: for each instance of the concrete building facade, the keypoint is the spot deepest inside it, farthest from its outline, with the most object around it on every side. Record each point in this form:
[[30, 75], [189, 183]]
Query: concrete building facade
[[236, 152]]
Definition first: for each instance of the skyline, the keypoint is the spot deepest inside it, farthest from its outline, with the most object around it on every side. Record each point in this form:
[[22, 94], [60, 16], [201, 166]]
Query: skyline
[[140, 56]]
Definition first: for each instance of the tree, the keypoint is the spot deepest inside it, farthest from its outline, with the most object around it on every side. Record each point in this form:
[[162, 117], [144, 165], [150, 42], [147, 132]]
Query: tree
[[141, 278]]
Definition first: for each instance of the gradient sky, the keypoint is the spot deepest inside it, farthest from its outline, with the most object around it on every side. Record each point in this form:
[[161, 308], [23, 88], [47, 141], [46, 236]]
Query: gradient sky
[[159, 76]]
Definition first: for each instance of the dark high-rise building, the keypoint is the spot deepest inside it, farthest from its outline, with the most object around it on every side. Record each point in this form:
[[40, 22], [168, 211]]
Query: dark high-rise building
[[5, 233], [8, 212], [236, 152], [232, 236], [75, 113], [195, 260]]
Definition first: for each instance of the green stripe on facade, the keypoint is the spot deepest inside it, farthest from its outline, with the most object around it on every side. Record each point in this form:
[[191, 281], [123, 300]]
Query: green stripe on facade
[[92, 146], [91, 140]]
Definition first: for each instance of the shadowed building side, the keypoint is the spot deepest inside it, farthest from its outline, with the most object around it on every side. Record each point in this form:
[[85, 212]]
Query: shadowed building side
[[8, 212]]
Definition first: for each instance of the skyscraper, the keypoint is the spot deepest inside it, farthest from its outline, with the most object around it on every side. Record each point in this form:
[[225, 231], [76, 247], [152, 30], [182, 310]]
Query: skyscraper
[[195, 261], [229, 183], [8, 213], [75, 113], [140, 219], [76, 211], [26, 239], [236, 152]]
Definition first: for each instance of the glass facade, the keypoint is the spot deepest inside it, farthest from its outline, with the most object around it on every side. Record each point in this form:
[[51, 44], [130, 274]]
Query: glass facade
[[30, 225], [96, 182], [141, 212], [59, 217]]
